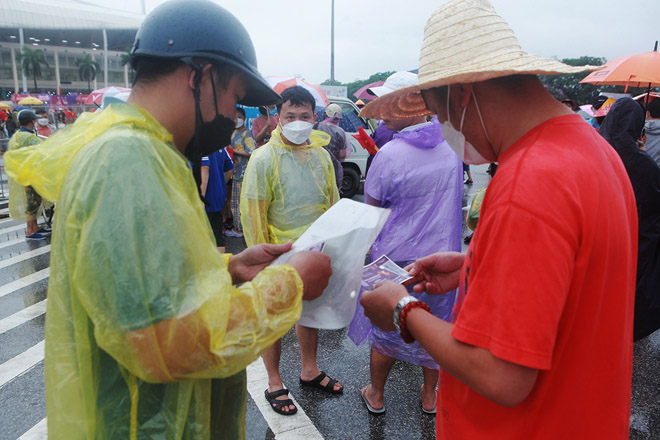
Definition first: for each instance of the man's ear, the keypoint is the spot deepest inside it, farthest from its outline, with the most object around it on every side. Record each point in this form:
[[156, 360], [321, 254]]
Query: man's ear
[[201, 74], [465, 92]]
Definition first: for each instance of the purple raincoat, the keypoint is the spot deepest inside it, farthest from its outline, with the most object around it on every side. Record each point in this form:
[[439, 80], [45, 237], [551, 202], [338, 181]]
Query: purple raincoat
[[420, 178]]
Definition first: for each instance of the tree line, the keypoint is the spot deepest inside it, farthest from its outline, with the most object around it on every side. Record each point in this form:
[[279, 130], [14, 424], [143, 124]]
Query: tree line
[[566, 86]]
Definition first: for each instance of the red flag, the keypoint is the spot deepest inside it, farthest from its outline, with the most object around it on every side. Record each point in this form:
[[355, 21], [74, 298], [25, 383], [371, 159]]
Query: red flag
[[366, 141]]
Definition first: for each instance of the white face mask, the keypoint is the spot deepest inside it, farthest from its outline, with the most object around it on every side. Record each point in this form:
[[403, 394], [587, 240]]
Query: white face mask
[[239, 122], [456, 140], [43, 122], [297, 132]]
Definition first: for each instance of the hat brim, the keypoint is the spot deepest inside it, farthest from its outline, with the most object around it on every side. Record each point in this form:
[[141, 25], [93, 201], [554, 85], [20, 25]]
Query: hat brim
[[408, 102], [259, 92]]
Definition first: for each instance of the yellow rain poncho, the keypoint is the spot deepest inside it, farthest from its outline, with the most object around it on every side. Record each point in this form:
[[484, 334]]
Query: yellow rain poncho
[[141, 312], [17, 196], [285, 189]]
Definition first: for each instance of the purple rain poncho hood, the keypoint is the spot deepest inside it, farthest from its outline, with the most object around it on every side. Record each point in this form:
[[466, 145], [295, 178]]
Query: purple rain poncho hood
[[420, 178], [426, 135]]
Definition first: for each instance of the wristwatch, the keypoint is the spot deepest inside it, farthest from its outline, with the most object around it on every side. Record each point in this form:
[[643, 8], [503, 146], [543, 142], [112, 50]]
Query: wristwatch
[[397, 310]]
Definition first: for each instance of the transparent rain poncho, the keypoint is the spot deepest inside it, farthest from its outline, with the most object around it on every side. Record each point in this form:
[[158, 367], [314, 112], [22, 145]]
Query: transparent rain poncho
[[419, 177], [17, 196], [285, 189], [142, 316]]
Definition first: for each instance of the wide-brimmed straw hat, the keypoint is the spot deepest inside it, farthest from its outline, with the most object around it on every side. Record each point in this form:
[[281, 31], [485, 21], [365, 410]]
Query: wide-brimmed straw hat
[[465, 41]]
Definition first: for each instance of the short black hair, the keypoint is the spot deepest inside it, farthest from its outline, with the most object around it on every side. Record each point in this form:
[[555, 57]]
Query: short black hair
[[151, 69], [654, 108], [241, 111], [298, 96]]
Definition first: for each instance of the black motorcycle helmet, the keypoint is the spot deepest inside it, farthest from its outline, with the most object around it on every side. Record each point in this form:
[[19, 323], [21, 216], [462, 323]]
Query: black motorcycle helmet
[[26, 116], [182, 29]]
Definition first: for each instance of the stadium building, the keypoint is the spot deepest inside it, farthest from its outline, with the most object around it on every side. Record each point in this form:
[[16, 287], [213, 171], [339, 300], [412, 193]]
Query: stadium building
[[66, 31]]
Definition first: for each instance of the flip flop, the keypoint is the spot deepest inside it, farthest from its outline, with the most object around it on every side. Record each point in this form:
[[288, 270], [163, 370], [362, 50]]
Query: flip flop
[[371, 409], [316, 383], [280, 404], [429, 411]]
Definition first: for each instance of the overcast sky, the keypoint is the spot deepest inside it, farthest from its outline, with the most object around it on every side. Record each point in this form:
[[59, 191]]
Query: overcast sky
[[292, 37]]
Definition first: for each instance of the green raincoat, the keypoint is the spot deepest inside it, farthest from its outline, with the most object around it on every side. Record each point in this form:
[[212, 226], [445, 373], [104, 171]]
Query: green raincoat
[[142, 316], [17, 196], [286, 188]]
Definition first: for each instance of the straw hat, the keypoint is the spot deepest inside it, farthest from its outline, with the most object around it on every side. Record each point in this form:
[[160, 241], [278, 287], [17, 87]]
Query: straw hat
[[465, 41]]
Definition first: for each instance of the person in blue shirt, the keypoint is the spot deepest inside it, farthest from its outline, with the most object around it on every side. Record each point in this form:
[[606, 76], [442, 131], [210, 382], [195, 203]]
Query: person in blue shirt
[[217, 168]]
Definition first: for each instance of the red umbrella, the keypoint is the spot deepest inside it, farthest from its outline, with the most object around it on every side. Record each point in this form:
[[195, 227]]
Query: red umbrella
[[362, 92], [280, 83], [96, 97]]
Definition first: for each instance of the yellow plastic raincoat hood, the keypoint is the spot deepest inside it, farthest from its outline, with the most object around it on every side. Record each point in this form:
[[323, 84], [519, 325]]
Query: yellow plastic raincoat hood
[[142, 315], [17, 196], [286, 188]]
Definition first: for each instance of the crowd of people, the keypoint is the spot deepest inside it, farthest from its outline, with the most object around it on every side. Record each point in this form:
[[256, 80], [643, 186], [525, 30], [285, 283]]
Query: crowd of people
[[151, 324]]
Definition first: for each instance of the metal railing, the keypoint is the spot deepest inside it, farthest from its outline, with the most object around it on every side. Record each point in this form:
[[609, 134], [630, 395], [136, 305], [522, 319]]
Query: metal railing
[[4, 190]]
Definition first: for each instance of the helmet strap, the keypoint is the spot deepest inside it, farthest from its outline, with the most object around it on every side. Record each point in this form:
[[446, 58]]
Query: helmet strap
[[195, 155]]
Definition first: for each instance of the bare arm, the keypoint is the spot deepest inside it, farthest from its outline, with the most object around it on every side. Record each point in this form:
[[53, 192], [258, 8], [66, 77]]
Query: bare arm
[[502, 382], [229, 174], [205, 180]]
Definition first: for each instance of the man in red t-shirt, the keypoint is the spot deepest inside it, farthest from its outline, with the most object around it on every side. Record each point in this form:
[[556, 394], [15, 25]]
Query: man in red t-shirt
[[540, 344]]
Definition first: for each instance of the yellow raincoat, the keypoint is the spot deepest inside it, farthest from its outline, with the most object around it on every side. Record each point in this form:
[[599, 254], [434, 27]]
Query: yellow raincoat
[[17, 196], [141, 308], [286, 188]]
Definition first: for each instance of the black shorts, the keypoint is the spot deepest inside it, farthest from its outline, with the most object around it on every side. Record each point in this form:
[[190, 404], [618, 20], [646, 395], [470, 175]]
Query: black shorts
[[215, 218]]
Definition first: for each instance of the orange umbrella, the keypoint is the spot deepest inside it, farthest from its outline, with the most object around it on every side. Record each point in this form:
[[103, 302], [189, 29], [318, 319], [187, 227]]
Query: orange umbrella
[[641, 70]]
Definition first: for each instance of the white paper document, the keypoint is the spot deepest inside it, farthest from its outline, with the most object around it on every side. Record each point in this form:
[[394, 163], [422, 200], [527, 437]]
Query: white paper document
[[345, 233]]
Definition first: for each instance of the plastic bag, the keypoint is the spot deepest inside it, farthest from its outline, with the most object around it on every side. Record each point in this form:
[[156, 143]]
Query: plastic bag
[[345, 233]]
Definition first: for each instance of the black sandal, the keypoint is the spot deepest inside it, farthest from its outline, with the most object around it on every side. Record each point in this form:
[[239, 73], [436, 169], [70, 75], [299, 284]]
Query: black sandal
[[277, 405], [316, 383]]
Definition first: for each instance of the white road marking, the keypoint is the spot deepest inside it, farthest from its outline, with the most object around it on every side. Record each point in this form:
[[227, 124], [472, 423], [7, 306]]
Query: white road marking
[[23, 316], [13, 229], [8, 243], [24, 282], [20, 364], [37, 432], [297, 426], [25, 256]]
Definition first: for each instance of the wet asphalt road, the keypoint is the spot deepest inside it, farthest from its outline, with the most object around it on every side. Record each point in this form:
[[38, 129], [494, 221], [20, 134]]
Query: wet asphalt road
[[22, 406]]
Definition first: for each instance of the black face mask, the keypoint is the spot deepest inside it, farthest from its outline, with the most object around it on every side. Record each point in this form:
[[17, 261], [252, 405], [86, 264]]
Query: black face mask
[[209, 136]]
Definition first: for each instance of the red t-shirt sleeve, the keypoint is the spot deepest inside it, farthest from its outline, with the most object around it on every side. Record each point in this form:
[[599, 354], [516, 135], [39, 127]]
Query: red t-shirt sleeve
[[517, 279]]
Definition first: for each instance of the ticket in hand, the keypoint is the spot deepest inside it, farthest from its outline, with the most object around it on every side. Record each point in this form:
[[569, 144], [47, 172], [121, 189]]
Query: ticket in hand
[[383, 269]]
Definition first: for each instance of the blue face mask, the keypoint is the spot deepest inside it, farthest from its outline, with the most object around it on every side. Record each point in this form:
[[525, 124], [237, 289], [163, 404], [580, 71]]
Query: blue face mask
[[272, 112]]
